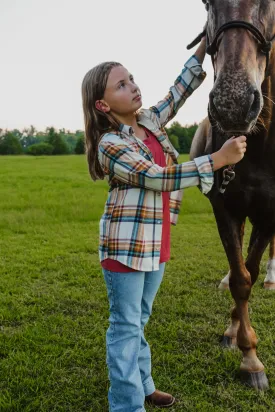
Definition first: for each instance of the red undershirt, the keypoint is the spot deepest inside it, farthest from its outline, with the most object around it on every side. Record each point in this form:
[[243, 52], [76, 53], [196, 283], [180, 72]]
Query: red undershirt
[[159, 158]]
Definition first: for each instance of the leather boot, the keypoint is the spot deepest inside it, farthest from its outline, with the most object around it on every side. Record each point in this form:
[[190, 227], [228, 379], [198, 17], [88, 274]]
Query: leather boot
[[160, 399]]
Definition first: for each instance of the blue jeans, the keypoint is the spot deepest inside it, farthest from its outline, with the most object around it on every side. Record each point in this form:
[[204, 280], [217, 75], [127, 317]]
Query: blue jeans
[[131, 297]]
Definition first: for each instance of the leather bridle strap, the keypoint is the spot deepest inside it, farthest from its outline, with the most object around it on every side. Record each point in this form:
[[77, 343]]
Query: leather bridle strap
[[213, 47], [265, 45]]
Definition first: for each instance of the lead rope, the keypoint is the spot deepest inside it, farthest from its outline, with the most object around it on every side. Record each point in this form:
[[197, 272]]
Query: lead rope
[[228, 175]]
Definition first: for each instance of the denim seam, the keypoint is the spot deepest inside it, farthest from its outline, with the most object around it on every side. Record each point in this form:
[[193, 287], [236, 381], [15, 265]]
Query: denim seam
[[114, 314], [114, 303]]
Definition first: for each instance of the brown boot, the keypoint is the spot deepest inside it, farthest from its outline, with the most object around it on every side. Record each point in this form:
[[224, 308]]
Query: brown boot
[[160, 399]]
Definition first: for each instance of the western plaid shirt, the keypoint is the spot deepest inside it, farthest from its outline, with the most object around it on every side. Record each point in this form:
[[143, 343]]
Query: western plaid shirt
[[131, 226]]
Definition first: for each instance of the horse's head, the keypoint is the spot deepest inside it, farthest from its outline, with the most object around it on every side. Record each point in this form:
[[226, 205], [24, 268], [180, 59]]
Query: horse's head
[[239, 59]]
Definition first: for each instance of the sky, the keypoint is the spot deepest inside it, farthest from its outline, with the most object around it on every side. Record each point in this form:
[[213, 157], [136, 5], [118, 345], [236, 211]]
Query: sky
[[47, 46]]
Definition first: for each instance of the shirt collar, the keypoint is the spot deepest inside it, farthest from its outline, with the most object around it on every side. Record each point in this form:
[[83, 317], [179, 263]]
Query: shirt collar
[[126, 129]]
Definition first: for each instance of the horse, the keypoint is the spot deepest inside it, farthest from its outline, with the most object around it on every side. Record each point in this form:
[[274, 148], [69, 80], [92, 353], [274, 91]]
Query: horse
[[201, 138], [240, 36]]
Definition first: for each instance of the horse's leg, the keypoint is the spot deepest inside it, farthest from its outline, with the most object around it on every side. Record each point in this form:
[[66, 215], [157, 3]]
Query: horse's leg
[[230, 335], [240, 287], [269, 282], [252, 368], [224, 284]]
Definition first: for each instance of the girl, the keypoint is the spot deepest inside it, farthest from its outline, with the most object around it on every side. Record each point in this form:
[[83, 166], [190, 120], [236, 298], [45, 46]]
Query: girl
[[131, 148]]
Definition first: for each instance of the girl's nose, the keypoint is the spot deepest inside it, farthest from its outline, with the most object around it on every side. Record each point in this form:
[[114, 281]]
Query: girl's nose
[[134, 88]]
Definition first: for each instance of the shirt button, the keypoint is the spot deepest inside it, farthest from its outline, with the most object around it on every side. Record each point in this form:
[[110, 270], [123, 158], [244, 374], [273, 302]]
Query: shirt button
[[158, 193], [158, 221], [202, 75], [157, 248]]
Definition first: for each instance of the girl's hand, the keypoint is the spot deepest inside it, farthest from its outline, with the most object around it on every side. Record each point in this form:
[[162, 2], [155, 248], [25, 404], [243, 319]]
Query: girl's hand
[[231, 152]]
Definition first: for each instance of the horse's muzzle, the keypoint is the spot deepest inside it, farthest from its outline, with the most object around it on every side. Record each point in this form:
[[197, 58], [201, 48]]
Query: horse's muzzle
[[235, 114]]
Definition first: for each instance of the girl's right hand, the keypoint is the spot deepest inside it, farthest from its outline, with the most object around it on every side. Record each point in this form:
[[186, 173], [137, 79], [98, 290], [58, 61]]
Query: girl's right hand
[[230, 153]]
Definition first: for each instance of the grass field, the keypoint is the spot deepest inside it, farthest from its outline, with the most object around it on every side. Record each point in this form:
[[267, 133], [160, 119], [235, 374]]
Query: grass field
[[54, 309]]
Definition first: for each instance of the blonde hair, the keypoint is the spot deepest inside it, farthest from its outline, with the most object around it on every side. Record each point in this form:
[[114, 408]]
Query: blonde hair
[[96, 122]]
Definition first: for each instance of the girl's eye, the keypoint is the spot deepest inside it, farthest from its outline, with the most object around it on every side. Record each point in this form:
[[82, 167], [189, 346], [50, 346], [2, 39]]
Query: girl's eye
[[132, 79], [122, 84]]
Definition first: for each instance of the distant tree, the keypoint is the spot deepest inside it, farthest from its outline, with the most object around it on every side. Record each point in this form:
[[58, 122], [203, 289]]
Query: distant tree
[[10, 145], [32, 130], [54, 139], [40, 149], [80, 146], [70, 140], [79, 133], [31, 136], [27, 141], [17, 133], [174, 140], [184, 134]]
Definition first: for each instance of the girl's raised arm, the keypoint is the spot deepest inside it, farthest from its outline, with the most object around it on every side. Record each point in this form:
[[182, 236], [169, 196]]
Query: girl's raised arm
[[190, 79]]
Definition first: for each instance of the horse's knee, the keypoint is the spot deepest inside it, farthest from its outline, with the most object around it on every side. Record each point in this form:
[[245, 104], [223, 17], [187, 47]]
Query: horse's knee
[[240, 286]]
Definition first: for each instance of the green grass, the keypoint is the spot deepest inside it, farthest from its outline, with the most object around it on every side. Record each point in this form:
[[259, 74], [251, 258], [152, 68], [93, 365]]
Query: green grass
[[54, 309]]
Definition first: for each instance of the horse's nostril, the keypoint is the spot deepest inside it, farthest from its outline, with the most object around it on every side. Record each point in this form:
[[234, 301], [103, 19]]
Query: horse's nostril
[[254, 108], [256, 102]]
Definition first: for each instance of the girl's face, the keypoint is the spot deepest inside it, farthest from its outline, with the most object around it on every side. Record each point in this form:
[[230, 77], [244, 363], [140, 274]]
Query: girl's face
[[122, 96]]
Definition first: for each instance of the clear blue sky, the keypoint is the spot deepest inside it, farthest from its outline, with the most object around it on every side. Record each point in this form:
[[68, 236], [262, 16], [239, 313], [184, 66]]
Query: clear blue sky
[[47, 46]]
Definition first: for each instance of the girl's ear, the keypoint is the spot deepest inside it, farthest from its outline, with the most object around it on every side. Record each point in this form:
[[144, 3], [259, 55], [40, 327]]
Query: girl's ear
[[102, 106]]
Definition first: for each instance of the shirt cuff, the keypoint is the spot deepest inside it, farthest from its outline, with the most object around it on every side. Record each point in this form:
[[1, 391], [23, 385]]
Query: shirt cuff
[[206, 175], [195, 67]]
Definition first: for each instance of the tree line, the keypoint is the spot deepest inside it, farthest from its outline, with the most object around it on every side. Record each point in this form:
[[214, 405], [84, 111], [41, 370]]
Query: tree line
[[59, 142]]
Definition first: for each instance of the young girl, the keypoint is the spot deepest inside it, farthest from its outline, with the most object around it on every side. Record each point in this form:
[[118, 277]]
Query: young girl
[[131, 148]]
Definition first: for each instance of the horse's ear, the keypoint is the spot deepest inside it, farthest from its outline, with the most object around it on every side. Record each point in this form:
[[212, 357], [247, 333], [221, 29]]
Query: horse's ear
[[206, 4]]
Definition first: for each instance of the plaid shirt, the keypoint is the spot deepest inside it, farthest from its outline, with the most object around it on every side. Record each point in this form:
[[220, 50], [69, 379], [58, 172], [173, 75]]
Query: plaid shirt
[[131, 226]]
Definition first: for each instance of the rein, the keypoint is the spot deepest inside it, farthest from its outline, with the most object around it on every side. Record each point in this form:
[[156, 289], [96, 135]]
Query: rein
[[212, 49]]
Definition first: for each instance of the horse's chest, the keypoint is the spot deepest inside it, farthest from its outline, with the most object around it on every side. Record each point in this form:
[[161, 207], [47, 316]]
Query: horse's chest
[[252, 194]]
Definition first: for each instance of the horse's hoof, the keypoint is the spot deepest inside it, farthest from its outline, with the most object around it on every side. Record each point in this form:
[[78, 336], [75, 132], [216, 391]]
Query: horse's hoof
[[228, 342], [269, 286], [223, 286], [256, 380]]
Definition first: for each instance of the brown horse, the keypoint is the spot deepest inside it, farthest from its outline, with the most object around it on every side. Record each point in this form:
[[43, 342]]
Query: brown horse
[[240, 35], [201, 139]]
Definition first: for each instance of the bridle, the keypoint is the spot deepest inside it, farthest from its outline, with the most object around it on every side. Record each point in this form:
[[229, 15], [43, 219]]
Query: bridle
[[265, 45], [212, 49]]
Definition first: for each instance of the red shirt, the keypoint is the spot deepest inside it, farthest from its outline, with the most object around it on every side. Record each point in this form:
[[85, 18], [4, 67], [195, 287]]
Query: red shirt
[[156, 149]]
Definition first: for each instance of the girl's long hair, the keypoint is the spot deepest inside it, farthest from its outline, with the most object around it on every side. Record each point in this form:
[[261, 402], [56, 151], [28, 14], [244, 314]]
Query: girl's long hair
[[96, 122]]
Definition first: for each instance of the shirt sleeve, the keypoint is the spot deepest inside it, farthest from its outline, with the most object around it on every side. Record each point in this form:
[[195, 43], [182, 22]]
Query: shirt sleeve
[[119, 161], [190, 79]]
